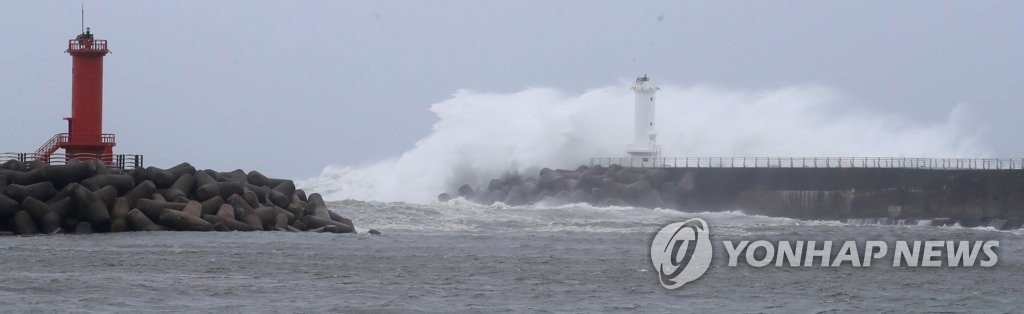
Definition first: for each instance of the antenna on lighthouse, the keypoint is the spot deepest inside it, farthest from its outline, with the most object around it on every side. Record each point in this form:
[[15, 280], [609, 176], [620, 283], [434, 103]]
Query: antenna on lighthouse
[[83, 17]]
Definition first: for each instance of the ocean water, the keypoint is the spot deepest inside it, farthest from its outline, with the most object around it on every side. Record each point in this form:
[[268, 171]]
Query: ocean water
[[461, 257]]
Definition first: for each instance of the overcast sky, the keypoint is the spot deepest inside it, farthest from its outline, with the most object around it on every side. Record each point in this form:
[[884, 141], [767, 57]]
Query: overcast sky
[[290, 87]]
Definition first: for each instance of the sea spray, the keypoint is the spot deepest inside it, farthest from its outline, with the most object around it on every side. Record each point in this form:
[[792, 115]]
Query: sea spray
[[481, 135]]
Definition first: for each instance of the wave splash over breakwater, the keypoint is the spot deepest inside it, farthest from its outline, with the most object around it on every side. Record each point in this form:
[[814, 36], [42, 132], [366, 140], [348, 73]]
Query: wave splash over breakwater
[[480, 136]]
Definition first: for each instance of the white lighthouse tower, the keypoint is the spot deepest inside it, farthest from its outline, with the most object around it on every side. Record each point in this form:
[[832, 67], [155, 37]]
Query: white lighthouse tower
[[645, 150]]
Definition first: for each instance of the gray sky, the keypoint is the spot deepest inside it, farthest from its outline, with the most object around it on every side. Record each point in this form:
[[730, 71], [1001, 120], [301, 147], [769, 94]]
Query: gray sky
[[290, 87]]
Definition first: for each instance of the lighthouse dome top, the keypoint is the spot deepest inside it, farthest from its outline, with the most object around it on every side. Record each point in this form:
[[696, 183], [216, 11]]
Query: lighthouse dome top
[[644, 83]]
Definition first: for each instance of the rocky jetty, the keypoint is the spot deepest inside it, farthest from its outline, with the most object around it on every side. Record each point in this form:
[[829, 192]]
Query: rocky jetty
[[88, 197], [970, 198]]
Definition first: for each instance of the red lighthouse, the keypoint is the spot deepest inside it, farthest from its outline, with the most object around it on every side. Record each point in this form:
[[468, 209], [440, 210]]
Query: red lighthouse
[[84, 139]]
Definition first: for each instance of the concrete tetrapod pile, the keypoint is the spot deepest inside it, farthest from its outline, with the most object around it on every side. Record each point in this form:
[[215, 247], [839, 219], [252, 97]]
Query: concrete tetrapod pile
[[87, 197]]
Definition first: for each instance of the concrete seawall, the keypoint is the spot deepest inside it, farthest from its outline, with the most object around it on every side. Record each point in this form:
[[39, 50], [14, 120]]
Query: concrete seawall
[[969, 197], [857, 193]]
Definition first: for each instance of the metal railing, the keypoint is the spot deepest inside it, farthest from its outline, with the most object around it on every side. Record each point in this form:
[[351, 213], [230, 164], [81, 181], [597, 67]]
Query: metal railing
[[815, 162], [61, 139], [119, 161], [87, 45], [52, 145]]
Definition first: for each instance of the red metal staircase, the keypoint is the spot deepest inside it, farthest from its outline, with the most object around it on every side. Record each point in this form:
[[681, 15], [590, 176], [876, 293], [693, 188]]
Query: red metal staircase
[[47, 149]]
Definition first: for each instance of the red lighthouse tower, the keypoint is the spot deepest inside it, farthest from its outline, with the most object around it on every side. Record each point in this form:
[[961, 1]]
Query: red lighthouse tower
[[84, 139], [85, 126]]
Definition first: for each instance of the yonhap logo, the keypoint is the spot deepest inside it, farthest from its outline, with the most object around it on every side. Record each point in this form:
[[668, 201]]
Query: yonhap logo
[[681, 252]]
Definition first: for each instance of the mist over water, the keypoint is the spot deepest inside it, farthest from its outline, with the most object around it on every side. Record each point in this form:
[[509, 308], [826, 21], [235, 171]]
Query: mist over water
[[480, 135]]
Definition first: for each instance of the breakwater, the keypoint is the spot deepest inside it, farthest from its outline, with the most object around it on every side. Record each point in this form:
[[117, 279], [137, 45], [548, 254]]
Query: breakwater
[[969, 197], [88, 196]]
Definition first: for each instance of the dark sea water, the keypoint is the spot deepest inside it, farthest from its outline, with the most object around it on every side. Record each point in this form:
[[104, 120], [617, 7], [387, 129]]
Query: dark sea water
[[458, 257]]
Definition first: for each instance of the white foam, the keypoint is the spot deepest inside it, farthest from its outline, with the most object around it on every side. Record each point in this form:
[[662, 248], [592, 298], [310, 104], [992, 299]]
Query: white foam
[[480, 136], [460, 215]]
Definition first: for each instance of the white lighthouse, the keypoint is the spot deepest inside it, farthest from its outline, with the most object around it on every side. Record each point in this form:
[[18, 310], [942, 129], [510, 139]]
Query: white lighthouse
[[645, 149]]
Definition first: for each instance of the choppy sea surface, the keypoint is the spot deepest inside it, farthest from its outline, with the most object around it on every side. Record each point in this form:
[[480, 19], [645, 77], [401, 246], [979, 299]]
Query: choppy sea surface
[[461, 257]]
